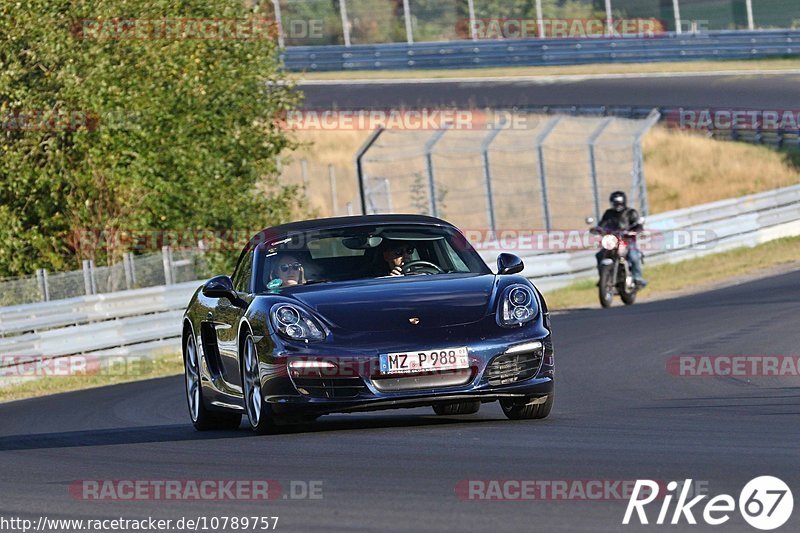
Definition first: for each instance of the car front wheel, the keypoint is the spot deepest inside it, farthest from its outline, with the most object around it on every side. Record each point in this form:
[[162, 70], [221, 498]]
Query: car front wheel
[[260, 421], [202, 418], [532, 408]]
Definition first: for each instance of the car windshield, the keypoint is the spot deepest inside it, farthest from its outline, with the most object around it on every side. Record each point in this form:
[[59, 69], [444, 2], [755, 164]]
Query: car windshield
[[348, 254]]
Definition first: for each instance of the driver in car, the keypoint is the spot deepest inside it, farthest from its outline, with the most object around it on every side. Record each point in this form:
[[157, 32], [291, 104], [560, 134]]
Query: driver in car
[[395, 254]]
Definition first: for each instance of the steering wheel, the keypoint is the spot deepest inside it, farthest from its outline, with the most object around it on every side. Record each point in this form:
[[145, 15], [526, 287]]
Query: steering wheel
[[421, 267]]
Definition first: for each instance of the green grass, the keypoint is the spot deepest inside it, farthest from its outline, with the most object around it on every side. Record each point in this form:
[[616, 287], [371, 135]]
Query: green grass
[[137, 370], [691, 275], [595, 68]]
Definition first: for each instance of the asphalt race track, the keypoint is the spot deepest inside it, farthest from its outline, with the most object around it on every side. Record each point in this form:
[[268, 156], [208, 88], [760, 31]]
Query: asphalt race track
[[619, 415], [745, 91]]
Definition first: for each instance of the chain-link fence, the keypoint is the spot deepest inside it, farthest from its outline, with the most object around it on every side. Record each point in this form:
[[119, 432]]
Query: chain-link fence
[[549, 174], [134, 272], [352, 22], [329, 190]]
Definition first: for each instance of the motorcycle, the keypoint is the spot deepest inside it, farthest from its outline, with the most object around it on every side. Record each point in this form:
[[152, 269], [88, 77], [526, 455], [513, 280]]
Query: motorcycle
[[615, 270]]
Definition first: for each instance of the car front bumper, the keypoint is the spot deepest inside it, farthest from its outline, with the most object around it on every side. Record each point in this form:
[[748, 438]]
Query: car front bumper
[[353, 384]]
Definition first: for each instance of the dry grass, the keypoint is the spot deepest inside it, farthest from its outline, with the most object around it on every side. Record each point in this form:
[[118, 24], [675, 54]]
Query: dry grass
[[597, 68], [684, 169], [681, 169]]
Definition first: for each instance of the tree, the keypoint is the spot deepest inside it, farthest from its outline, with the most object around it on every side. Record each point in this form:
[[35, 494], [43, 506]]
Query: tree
[[107, 129]]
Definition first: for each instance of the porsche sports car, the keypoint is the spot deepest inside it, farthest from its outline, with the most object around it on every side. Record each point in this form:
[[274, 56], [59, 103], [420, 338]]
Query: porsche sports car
[[364, 313]]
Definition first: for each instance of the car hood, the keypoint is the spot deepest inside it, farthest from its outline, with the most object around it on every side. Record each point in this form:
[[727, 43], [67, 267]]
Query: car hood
[[389, 304]]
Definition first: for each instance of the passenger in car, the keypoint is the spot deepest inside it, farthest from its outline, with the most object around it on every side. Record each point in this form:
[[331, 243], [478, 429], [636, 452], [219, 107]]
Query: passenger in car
[[288, 269]]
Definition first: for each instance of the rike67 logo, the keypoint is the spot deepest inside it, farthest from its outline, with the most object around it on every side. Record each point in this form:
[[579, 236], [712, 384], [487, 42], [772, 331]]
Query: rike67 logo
[[765, 503]]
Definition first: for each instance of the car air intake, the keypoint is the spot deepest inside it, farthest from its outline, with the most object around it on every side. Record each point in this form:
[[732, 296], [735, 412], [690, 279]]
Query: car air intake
[[510, 368], [329, 387]]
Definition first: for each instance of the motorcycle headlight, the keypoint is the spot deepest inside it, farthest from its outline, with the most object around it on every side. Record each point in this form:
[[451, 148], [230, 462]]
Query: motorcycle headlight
[[609, 242], [517, 306], [295, 323]]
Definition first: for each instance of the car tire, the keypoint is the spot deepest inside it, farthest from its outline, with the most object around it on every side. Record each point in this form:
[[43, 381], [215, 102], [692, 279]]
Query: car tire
[[457, 408], [532, 409], [259, 419], [202, 418]]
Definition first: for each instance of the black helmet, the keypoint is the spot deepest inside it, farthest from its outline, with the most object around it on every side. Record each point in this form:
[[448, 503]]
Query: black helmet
[[619, 200]]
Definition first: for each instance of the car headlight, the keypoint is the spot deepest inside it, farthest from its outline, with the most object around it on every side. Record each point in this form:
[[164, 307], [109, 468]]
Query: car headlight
[[517, 306], [609, 242], [295, 323]]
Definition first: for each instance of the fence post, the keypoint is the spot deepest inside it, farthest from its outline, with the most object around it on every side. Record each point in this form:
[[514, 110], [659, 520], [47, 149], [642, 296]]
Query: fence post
[[542, 174], [407, 16], [473, 31], [750, 22], [487, 174], [676, 11], [360, 167], [44, 287], [609, 19], [638, 161], [345, 21], [279, 22], [593, 164], [433, 210], [89, 283], [130, 272], [166, 255], [334, 199], [540, 19]]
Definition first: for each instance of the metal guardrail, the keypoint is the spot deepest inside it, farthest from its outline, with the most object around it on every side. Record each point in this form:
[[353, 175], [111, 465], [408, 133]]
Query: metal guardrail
[[542, 52], [782, 137], [139, 321], [717, 227], [135, 321]]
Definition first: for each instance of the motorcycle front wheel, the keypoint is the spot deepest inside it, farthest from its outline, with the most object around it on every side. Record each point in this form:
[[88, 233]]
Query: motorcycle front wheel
[[628, 298], [606, 287]]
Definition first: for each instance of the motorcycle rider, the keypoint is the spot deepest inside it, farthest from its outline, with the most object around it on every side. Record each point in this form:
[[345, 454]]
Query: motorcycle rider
[[620, 217]]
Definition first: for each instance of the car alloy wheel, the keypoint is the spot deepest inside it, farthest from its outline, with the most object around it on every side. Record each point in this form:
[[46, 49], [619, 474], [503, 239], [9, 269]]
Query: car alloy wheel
[[192, 378], [252, 383]]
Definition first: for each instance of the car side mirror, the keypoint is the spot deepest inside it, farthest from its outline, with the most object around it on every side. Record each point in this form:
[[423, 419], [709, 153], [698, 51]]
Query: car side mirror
[[509, 264], [590, 220], [222, 287]]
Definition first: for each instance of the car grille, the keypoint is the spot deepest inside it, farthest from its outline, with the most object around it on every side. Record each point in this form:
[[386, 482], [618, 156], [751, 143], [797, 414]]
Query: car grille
[[432, 380], [329, 387], [510, 368]]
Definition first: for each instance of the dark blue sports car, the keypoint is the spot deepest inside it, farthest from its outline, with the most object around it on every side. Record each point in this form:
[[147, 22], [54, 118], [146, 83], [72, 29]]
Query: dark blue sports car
[[365, 313]]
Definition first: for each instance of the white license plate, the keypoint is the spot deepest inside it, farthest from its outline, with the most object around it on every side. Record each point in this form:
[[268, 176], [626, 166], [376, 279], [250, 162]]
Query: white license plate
[[424, 361]]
